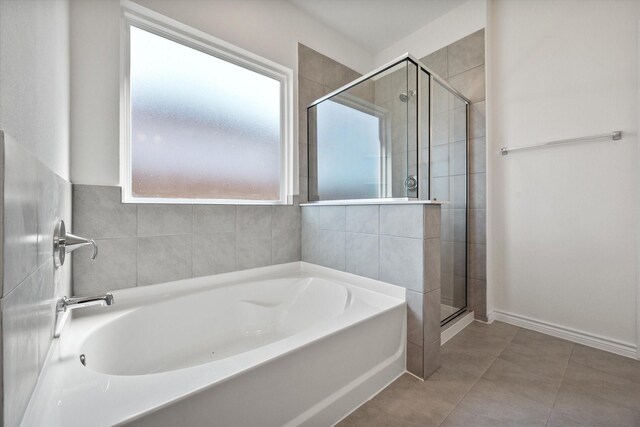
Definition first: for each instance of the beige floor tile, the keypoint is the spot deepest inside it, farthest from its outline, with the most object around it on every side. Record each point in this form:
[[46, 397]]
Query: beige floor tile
[[464, 358], [607, 362], [525, 380], [601, 387], [489, 401], [499, 375], [461, 417]]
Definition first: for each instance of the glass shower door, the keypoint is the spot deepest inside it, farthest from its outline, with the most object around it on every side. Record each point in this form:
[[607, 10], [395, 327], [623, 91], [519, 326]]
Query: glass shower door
[[448, 179]]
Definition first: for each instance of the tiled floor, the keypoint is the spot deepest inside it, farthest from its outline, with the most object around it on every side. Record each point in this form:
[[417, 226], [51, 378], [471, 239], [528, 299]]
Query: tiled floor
[[502, 375]]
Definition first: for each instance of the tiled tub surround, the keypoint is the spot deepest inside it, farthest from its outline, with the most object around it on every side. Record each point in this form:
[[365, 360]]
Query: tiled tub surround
[[462, 65], [143, 244], [34, 199], [398, 244]]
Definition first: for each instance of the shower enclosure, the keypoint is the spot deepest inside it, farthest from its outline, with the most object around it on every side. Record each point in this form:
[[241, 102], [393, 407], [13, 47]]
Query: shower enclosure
[[398, 133]]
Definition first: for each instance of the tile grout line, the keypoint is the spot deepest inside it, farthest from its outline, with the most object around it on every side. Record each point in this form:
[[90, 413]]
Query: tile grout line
[[560, 386], [478, 379]]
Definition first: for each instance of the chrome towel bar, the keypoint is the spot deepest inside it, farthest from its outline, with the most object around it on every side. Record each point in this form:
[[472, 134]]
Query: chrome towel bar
[[616, 135]]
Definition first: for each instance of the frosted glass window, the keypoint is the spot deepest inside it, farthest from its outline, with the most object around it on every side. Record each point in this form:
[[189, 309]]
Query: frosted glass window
[[349, 153], [201, 127]]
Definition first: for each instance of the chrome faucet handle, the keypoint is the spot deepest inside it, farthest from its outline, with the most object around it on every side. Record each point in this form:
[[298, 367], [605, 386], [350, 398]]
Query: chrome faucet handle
[[64, 243], [73, 242]]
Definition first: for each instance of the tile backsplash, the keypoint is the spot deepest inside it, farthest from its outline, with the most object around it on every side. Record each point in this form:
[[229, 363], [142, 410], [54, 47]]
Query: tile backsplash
[[34, 199], [143, 244]]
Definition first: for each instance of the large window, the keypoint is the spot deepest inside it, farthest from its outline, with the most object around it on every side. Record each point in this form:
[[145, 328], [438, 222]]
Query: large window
[[203, 122]]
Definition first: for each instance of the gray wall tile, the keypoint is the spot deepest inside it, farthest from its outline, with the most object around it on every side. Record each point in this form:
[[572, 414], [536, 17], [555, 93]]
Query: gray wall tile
[[459, 258], [253, 248], [477, 261], [466, 53], [45, 309], [362, 254], [432, 221], [471, 83], [310, 64], [415, 301], [438, 62], [401, 262], [164, 259], [440, 189], [99, 213], [285, 245], [51, 203], [286, 217], [20, 337], [20, 216], [334, 74], [478, 120], [459, 291], [459, 217], [478, 191], [253, 218], [164, 220], [363, 219], [214, 253], [431, 358], [478, 299], [458, 192], [477, 226], [402, 220], [431, 316], [478, 155], [415, 359], [324, 217], [325, 247], [459, 157], [114, 268], [440, 160], [214, 219], [432, 264]]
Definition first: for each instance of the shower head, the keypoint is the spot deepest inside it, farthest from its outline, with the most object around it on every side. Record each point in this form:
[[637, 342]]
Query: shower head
[[405, 98]]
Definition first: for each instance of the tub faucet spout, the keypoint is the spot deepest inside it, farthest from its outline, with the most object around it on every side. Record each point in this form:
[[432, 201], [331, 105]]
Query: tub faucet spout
[[66, 304]]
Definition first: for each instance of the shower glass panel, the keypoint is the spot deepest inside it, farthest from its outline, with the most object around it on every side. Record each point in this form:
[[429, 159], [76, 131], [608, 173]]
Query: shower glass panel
[[448, 177], [398, 133], [363, 140]]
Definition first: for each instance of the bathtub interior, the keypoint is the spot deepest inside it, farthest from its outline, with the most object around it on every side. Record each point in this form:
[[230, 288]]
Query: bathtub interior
[[212, 325]]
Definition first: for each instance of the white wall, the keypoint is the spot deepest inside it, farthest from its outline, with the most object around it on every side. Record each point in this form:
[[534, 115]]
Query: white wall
[[450, 27], [270, 28], [562, 221], [34, 79]]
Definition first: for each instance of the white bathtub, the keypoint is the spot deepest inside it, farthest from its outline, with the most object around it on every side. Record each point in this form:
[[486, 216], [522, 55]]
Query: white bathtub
[[294, 344]]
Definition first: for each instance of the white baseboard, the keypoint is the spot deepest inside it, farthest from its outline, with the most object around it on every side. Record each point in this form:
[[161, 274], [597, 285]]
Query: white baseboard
[[569, 334], [458, 325]]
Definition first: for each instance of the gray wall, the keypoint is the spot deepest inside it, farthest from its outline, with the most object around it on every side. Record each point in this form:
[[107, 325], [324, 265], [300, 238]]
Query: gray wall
[[462, 65], [34, 141], [398, 244], [144, 244]]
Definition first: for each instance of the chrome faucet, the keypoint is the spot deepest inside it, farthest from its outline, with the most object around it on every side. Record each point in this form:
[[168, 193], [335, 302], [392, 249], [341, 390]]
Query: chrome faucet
[[66, 304], [64, 243]]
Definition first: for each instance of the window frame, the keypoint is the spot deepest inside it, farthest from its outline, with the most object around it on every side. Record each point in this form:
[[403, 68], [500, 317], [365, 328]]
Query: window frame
[[155, 23]]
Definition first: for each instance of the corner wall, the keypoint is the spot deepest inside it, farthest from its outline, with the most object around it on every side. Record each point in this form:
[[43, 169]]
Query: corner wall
[[563, 220], [34, 150]]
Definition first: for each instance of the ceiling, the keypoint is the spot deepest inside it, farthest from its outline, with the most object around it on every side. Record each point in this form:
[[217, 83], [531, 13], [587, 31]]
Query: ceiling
[[376, 24]]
